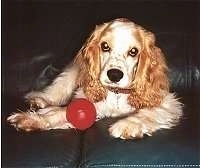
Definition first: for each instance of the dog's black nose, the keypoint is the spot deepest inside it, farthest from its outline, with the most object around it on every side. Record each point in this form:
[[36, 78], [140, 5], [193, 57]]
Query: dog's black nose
[[115, 75]]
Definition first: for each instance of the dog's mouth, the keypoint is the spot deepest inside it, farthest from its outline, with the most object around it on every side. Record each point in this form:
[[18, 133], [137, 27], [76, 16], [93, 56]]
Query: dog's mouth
[[118, 79], [114, 87], [118, 90]]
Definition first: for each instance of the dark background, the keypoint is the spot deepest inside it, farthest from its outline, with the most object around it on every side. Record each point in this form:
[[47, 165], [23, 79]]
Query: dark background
[[46, 32], [39, 37]]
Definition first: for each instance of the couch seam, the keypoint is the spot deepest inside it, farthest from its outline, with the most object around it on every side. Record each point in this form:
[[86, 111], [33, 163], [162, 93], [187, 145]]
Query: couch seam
[[144, 165], [82, 158]]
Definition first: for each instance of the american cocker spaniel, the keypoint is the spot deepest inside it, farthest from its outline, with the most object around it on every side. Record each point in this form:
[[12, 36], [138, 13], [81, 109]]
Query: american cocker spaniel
[[122, 72]]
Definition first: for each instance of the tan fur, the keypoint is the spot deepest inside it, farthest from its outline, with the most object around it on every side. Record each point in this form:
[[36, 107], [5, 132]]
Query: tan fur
[[150, 80], [88, 60]]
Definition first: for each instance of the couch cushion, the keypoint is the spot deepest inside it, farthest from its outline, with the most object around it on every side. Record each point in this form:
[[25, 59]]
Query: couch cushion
[[178, 146], [45, 149], [60, 148]]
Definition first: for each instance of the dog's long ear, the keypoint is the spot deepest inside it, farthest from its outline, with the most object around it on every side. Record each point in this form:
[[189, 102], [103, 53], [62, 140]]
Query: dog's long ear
[[88, 59], [151, 82]]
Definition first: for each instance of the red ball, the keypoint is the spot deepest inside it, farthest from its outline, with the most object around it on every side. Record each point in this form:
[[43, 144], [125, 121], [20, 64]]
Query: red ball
[[81, 113]]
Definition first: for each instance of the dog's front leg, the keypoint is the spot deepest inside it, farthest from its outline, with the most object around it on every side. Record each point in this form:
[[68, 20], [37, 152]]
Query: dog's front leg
[[44, 119], [148, 120], [58, 92]]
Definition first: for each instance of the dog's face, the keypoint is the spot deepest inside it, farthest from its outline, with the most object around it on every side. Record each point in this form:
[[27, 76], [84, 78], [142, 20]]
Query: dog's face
[[119, 54], [122, 55]]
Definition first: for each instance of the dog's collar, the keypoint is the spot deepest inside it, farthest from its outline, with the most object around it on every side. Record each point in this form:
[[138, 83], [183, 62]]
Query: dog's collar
[[119, 90]]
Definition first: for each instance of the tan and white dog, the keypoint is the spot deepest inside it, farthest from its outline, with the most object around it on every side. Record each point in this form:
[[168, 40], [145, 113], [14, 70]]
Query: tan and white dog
[[122, 72]]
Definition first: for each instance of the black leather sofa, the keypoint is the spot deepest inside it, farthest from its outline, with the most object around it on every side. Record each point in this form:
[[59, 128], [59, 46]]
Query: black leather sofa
[[40, 37]]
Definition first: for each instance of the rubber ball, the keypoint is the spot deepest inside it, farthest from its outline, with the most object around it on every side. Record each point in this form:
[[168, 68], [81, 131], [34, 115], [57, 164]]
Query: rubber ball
[[81, 113]]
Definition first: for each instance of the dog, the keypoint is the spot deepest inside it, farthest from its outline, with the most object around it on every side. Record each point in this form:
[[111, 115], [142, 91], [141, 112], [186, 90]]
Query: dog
[[122, 72]]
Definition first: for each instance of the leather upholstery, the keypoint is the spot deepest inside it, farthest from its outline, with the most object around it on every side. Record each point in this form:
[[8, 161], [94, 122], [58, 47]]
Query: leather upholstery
[[40, 38], [177, 146]]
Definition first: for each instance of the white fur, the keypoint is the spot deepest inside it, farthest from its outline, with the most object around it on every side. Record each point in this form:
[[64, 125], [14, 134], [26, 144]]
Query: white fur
[[112, 106], [147, 121], [118, 56], [59, 92]]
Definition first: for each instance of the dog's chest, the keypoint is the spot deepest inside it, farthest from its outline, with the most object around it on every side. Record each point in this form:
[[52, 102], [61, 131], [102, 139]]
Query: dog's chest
[[114, 105]]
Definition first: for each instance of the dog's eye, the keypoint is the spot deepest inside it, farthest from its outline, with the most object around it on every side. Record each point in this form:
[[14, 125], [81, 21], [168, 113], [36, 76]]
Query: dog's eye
[[133, 52], [105, 47]]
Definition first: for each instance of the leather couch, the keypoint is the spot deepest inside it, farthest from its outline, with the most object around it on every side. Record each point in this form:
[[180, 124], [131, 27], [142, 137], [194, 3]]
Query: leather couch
[[40, 37]]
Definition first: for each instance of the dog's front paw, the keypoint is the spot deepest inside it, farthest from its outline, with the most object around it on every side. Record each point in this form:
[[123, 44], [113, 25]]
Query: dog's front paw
[[126, 129], [36, 101], [29, 121]]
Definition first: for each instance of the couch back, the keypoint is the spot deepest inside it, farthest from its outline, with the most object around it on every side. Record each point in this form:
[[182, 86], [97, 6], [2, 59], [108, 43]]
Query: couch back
[[39, 39]]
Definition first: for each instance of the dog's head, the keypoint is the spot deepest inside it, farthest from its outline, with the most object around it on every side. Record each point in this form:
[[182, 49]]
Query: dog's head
[[122, 55]]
